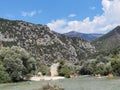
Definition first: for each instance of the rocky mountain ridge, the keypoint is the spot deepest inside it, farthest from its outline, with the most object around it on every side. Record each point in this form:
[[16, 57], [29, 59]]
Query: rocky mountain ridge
[[85, 36], [108, 41], [45, 45]]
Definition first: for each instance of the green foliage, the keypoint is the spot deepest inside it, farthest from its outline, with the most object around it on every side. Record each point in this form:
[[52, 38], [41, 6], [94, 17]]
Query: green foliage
[[4, 76], [17, 63], [88, 68], [101, 58], [99, 72], [44, 69], [96, 67], [65, 69], [107, 61], [111, 53], [115, 64], [8, 43]]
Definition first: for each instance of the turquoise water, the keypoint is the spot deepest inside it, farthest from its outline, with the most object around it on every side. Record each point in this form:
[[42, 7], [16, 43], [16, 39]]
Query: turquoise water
[[80, 83]]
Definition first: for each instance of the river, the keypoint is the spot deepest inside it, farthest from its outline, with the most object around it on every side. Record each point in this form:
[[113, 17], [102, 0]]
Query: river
[[80, 83]]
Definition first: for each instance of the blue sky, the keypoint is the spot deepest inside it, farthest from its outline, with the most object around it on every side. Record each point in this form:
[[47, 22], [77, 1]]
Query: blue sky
[[47, 10], [63, 15]]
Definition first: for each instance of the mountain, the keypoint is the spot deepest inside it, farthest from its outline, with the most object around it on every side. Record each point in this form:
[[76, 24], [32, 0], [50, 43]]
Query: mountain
[[85, 36], [45, 45], [108, 41]]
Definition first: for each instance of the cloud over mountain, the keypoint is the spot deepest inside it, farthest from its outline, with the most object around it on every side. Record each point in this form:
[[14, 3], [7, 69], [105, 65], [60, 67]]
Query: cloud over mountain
[[109, 19]]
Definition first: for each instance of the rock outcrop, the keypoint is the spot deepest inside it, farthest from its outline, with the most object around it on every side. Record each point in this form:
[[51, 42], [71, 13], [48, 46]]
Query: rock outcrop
[[45, 45]]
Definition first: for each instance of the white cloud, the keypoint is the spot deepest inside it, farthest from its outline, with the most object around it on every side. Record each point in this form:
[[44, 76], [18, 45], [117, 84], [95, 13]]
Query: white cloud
[[93, 8], [72, 15], [108, 20], [29, 14], [57, 25]]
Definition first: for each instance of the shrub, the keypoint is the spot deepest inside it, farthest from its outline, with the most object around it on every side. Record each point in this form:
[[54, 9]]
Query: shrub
[[66, 71], [99, 72], [115, 64], [4, 76], [44, 69], [50, 87], [17, 63]]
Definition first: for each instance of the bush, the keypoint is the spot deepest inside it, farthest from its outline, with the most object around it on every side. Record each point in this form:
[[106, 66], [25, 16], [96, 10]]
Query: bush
[[17, 63], [50, 87], [66, 71], [115, 64], [4, 76], [88, 68], [44, 69], [99, 72]]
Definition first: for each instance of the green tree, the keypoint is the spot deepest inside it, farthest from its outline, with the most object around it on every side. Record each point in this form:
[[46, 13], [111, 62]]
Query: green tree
[[17, 62], [44, 69], [65, 68], [4, 76], [88, 68], [65, 71], [115, 64]]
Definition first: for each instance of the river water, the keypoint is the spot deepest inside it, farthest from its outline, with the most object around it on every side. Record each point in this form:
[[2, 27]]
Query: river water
[[80, 83]]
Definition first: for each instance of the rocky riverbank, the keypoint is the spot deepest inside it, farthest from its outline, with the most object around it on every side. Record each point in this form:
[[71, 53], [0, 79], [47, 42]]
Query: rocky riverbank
[[38, 78]]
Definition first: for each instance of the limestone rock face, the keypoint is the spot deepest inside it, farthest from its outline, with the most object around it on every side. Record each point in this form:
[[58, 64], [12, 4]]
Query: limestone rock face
[[45, 45], [54, 69]]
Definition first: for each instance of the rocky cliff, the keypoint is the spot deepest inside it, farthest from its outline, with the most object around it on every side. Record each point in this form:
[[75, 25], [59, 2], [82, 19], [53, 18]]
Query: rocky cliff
[[42, 43]]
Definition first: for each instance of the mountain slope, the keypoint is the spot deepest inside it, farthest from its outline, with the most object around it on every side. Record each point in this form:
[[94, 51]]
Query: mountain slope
[[109, 40], [42, 43], [88, 37]]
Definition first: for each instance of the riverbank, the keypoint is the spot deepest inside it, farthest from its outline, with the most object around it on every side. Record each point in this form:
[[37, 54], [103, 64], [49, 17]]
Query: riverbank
[[80, 83], [38, 78]]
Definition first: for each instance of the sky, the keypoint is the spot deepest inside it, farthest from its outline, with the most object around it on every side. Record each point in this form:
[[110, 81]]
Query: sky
[[85, 16]]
